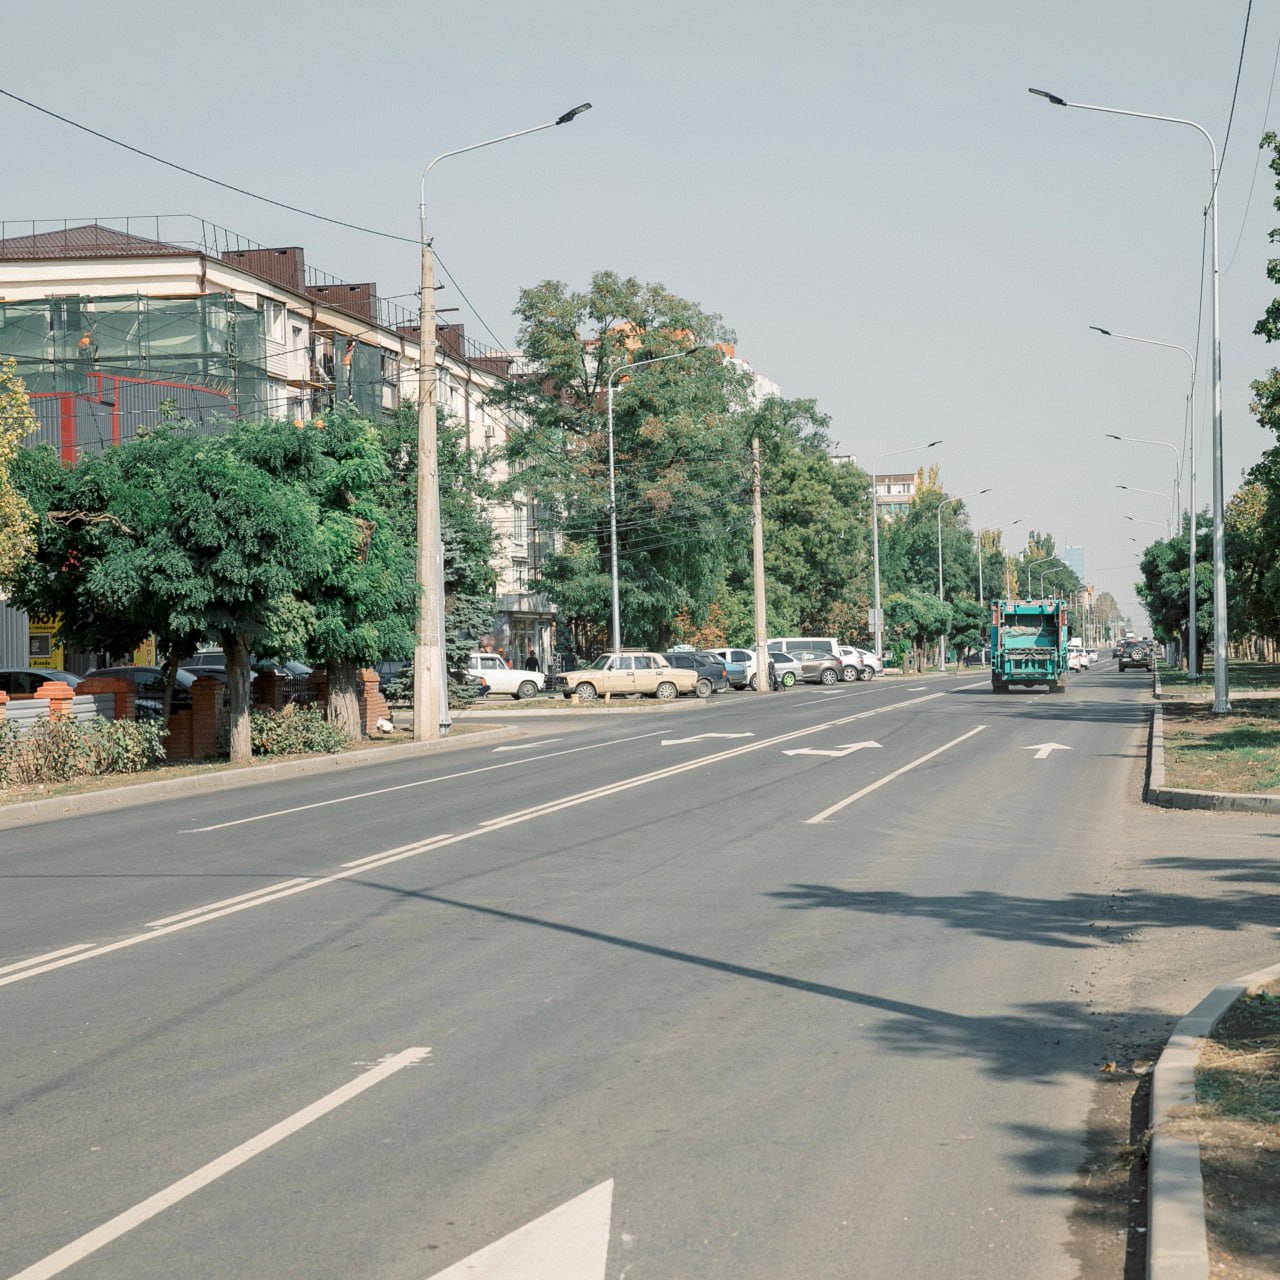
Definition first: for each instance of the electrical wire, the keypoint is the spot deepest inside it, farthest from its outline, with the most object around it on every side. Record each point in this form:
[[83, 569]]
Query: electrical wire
[[1257, 161], [1222, 159], [204, 177]]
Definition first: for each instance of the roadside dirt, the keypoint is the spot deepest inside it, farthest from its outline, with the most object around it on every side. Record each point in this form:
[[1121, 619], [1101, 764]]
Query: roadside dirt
[[1237, 1123], [1236, 753]]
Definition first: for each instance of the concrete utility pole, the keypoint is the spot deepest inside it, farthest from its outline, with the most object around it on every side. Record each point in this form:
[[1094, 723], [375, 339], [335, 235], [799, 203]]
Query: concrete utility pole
[[430, 677], [757, 563]]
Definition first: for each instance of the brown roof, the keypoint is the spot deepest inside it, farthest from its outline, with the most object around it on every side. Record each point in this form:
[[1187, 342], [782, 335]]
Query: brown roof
[[90, 241]]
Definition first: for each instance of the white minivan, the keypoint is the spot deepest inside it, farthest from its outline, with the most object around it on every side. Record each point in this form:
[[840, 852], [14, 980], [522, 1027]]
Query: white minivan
[[852, 666]]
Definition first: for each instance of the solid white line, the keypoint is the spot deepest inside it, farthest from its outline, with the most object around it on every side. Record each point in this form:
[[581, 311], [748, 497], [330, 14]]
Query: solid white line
[[897, 773], [79, 1249], [981, 684], [421, 782], [419, 846], [226, 902], [524, 746], [48, 955]]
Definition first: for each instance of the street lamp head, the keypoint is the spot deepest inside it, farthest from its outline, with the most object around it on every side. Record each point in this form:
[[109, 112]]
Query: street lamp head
[[932, 443], [577, 111], [1052, 97], [1123, 486], [1098, 329], [1111, 436]]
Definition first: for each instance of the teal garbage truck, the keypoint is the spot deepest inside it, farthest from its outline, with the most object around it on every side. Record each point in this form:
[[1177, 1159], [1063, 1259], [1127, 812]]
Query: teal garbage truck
[[1029, 643]]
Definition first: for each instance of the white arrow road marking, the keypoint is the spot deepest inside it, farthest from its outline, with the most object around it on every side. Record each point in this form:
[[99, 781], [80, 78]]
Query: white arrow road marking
[[848, 749], [675, 742], [569, 1243], [1042, 749], [72, 1253], [897, 773], [542, 742]]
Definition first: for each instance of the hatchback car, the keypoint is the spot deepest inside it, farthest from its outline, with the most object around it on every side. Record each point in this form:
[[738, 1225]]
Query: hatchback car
[[818, 666], [24, 681], [709, 668]]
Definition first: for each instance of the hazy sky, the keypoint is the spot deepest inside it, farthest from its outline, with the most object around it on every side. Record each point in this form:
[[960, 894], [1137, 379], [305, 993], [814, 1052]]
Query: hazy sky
[[866, 193]]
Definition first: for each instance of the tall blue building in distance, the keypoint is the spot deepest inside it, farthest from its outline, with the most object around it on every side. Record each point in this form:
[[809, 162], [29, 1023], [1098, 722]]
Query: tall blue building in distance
[[1073, 558]]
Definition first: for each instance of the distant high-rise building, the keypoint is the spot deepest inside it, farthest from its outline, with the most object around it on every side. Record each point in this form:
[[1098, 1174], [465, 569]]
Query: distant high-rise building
[[1073, 558]]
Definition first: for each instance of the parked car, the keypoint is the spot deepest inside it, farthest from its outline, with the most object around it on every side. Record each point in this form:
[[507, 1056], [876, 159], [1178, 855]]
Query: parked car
[[630, 672], [26, 680], [740, 664], [786, 668], [501, 678], [872, 661], [149, 688], [818, 666], [1137, 653], [856, 660], [709, 668]]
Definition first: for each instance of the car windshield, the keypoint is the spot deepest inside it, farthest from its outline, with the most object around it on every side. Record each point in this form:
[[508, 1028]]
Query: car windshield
[[601, 662]]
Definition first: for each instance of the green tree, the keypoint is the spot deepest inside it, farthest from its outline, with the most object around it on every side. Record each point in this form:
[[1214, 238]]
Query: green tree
[[176, 535], [681, 462], [915, 619], [970, 626], [1166, 582], [816, 520], [360, 604], [17, 421]]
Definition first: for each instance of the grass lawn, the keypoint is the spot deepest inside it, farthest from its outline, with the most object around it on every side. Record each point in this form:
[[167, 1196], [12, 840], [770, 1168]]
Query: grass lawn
[[1249, 677], [1239, 752]]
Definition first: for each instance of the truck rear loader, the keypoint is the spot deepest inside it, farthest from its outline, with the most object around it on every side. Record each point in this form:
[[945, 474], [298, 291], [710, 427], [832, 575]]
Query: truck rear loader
[[1029, 644]]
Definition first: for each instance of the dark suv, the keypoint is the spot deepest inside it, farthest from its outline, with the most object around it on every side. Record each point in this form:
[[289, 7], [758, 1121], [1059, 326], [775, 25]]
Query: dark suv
[[1137, 653]]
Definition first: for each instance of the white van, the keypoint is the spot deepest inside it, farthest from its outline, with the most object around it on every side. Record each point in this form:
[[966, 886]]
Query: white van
[[853, 667]]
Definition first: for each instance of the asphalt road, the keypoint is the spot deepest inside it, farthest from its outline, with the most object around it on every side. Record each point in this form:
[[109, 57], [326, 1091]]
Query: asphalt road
[[812, 985]]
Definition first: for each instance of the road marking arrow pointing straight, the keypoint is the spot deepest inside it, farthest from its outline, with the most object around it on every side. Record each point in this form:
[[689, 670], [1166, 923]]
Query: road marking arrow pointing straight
[[848, 749], [569, 1243], [1042, 749], [675, 742]]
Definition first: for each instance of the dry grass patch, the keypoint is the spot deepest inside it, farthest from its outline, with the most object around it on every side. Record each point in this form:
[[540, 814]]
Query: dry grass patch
[[1237, 752], [1237, 1122]]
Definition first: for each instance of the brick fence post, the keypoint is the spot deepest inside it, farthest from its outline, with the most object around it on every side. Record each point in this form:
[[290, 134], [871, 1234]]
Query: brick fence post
[[206, 704], [373, 706], [59, 696], [4, 698], [318, 683], [267, 691]]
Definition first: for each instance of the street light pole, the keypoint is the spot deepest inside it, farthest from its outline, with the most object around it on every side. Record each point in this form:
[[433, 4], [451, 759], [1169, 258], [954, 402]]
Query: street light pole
[[430, 679], [1032, 565], [946, 502], [1177, 475], [878, 618], [616, 630], [1221, 691]]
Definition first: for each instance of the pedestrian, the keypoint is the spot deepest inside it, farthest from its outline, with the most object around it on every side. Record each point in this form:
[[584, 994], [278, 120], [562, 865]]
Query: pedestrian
[[502, 653], [531, 662]]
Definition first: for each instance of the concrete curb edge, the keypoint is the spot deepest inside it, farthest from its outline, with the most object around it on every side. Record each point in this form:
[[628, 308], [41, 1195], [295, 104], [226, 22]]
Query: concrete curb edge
[[1177, 1238], [27, 812]]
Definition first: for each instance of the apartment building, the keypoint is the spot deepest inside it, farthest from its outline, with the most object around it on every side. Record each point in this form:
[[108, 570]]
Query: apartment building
[[116, 323]]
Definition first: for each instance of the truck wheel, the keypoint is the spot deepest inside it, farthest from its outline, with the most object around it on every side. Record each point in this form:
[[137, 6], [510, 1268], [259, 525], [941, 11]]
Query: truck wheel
[[666, 691], [703, 688], [527, 689], [998, 685], [587, 692], [828, 676]]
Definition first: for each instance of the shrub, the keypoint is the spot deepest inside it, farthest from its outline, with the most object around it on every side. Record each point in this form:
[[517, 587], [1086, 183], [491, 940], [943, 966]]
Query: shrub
[[59, 750], [296, 730]]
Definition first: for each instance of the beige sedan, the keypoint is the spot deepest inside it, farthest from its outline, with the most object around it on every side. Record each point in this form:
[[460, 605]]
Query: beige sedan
[[628, 673]]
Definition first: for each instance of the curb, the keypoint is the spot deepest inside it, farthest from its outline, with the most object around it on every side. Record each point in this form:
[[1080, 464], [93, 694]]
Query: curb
[[1156, 793], [27, 812], [1177, 1239]]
